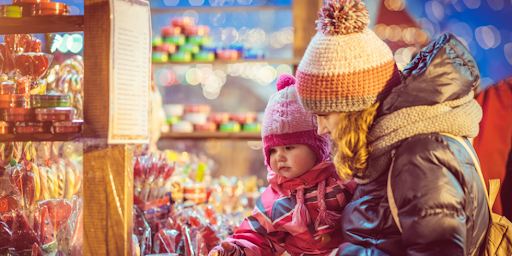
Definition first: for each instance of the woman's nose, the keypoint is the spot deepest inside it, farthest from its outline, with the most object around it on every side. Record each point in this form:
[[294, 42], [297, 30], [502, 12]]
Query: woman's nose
[[322, 128]]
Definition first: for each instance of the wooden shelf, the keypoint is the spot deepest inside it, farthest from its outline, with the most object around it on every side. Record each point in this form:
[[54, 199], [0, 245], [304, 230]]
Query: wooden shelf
[[221, 9], [39, 137], [225, 62], [41, 24], [212, 135]]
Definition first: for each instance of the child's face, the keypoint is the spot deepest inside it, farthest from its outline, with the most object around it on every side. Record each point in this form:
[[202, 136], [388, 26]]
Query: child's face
[[327, 122], [292, 161]]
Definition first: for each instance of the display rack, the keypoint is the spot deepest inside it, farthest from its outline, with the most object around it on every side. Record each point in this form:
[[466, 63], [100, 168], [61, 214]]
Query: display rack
[[221, 9], [304, 15], [224, 62], [39, 137], [212, 135], [41, 24]]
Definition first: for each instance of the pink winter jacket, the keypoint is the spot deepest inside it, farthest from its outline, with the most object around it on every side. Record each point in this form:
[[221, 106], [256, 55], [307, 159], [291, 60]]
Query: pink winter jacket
[[270, 231]]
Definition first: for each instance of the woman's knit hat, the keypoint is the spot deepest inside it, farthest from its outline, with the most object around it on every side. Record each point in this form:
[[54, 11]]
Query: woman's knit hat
[[346, 66], [286, 122]]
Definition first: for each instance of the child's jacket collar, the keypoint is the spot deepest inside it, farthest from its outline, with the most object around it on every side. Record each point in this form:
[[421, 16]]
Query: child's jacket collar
[[318, 173]]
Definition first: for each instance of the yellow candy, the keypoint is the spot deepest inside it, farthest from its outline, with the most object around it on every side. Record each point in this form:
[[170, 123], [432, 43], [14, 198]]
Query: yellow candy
[[37, 182], [43, 175]]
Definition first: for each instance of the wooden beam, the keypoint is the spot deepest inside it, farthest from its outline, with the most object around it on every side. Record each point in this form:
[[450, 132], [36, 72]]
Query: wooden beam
[[97, 67], [108, 199]]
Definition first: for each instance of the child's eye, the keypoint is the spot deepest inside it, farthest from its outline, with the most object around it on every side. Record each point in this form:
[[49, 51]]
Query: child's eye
[[289, 147], [272, 151]]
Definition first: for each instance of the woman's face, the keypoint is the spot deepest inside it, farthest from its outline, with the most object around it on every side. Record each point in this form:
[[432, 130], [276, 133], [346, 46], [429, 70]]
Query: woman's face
[[327, 122]]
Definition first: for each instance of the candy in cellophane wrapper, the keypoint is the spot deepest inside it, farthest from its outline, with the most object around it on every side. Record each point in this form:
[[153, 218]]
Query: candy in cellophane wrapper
[[23, 237], [23, 184], [5, 238], [142, 230], [68, 78], [135, 246], [167, 241]]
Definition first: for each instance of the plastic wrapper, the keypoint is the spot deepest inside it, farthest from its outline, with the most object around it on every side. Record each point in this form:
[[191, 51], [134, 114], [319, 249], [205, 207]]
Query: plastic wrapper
[[67, 79], [39, 222]]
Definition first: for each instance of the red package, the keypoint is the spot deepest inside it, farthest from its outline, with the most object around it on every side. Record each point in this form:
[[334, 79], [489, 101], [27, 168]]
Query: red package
[[169, 224], [36, 45], [210, 237], [8, 204], [41, 63], [76, 251], [162, 243], [23, 182], [47, 233], [8, 60], [23, 237], [36, 251], [5, 238], [60, 211], [77, 238], [9, 220], [194, 221], [10, 42], [189, 249], [24, 43], [23, 85], [201, 247], [24, 65]]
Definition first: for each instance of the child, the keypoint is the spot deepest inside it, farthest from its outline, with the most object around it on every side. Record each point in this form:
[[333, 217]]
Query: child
[[300, 211]]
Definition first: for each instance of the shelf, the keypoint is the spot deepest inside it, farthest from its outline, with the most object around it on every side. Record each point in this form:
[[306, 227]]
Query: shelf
[[225, 62], [221, 9], [39, 137], [41, 24], [212, 135]]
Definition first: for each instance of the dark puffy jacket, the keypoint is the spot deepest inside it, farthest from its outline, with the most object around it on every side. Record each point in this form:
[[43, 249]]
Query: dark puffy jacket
[[438, 193]]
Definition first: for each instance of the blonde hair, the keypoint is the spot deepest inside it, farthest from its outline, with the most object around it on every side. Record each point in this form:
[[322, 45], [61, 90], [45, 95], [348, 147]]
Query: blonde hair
[[351, 141]]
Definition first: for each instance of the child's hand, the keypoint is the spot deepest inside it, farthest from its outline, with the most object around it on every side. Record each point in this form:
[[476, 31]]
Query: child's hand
[[227, 249]]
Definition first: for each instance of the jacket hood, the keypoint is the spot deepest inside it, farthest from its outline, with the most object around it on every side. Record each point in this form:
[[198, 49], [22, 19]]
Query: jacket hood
[[442, 71]]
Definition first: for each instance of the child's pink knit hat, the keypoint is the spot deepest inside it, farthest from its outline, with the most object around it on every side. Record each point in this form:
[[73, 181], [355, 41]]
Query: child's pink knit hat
[[287, 123]]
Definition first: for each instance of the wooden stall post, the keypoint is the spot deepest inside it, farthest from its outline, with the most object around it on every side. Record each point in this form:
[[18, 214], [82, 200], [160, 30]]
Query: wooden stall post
[[108, 170], [305, 12]]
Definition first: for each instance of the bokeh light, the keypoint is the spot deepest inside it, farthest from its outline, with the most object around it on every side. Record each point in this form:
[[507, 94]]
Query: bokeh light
[[196, 2], [171, 2], [217, 18], [488, 37], [267, 75], [164, 77], [472, 4], [211, 95], [496, 5], [77, 43], [63, 47], [239, 18], [435, 11], [194, 76], [191, 14], [229, 35], [283, 69], [463, 31], [244, 2], [394, 5], [508, 52]]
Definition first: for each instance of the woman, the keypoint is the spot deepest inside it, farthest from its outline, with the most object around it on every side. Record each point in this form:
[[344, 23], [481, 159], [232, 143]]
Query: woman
[[376, 116]]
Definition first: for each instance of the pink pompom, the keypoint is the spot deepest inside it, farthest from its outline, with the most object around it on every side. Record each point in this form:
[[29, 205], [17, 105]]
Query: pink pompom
[[285, 81]]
